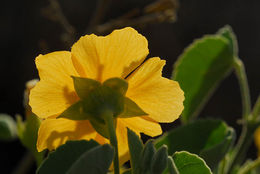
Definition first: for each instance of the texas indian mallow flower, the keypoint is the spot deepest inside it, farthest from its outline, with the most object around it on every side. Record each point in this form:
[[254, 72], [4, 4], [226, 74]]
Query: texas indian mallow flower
[[120, 54]]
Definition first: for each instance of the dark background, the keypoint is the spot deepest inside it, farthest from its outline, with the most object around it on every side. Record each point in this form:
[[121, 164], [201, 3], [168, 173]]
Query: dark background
[[25, 33]]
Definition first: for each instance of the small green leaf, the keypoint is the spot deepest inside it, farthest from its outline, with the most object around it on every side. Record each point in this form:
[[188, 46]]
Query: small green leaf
[[159, 160], [211, 139], [8, 130], [187, 163], [117, 84], [131, 109], [147, 156], [61, 160], [94, 161], [135, 147], [200, 69], [84, 86]]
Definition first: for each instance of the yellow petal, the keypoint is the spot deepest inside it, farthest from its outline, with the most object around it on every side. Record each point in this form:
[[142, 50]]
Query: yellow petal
[[141, 125], [122, 140], [115, 55], [55, 91], [161, 98], [55, 132]]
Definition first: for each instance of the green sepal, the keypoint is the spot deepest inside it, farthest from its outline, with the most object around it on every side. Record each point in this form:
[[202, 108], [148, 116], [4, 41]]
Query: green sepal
[[93, 107], [117, 84], [159, 160], [135, 147], [131, 109], [102, 128], [76, 111], [83, 86], [8, 130]]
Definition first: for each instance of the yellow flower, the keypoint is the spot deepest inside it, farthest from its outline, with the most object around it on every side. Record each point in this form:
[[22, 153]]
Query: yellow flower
[[119, 54]]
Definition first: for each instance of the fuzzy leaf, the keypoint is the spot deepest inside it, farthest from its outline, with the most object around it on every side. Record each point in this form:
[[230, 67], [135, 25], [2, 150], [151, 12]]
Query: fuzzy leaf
[[187, 163], [94, 161], [61, 160], [200, 69], [159, 160], [211, 139], [135, 147]]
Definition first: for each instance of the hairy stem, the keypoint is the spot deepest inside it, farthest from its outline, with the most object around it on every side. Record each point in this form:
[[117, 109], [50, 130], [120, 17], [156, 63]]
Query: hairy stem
[[113, 139], [249, 126]]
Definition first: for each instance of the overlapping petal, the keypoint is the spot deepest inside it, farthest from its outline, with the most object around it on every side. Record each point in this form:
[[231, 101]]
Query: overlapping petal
[[55, 91], [55, 132], [115, 55], [161, 98]]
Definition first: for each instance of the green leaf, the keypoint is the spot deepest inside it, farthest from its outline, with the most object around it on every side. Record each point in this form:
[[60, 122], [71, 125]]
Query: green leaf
[[147, 156], [200, 69], [28, 134], [117, 84], [171, 166], [84, 86], [61, 160], [131, 109], [187, 163], [94, 161], [135, 147], [8, 130], [159, 160], [211, 139], [228, 33]]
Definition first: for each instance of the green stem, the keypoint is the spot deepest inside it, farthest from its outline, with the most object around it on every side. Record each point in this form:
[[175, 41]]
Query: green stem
[[245, 95], [249, 127], [113, 140], [250, 167]]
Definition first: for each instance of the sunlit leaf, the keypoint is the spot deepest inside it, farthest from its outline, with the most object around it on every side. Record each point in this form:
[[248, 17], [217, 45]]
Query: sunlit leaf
[[187, 163], [200, 69]]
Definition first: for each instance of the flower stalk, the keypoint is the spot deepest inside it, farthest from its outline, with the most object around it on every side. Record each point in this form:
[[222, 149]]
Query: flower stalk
[[109, 119]]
